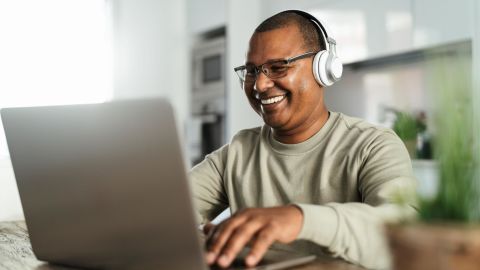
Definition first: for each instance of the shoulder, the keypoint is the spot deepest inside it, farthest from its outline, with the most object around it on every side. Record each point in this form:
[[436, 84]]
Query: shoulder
[[360, 125], [363, 137], [241, 144], [246, 136], [245, 142], [363, 129], [246, 133]]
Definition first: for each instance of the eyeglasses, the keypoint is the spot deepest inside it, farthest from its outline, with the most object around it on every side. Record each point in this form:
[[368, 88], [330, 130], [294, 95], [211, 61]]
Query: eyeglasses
[[273, 69]]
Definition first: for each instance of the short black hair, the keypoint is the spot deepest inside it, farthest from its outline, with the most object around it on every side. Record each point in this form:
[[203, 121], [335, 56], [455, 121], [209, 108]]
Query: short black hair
[[306, 27]]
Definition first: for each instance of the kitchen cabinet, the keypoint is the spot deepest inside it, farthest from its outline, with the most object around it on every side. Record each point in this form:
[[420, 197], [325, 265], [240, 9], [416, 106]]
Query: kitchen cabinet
[[440, 22], [369, 28]]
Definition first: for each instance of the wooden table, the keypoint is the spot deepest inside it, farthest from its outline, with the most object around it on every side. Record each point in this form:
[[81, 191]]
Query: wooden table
[[16, 253]]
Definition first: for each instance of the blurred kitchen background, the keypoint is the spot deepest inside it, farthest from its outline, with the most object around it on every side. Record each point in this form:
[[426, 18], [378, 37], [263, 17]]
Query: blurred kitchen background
[[88, 51]]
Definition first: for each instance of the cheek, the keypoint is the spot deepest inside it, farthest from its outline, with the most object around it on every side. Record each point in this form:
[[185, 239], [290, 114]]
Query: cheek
[[305, 81], [298, 85], [303, 86], [249, 93], [300, 78]]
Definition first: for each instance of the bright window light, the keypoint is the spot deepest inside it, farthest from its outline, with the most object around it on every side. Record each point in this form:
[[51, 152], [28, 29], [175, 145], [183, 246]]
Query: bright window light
[[54, 52]]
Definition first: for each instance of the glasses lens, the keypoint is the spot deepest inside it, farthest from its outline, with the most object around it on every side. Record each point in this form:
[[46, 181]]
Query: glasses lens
[[250, 73], [241, 73], [275, 70]]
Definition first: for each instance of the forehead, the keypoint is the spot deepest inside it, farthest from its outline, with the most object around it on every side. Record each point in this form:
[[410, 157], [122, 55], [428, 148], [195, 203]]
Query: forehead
[[274, 44]]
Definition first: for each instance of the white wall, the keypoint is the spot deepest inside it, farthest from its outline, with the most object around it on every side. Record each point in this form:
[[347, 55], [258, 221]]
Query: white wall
[[242, 18], [151, 51], [270, 7], [205, 15]]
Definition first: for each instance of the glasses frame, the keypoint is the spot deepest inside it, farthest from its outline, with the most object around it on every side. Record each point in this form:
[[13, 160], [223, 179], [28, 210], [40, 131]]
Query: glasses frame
[[260, 68]]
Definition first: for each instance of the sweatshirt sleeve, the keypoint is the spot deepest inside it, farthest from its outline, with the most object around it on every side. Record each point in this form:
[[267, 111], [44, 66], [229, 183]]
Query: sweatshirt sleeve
[[354, 231], [208, 190]]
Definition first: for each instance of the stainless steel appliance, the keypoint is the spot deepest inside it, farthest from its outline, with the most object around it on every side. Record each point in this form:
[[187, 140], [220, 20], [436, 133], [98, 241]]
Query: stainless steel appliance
[[207, 126]]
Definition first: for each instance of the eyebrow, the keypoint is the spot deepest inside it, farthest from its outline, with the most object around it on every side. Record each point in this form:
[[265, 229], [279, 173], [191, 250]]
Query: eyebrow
[[269, 61]]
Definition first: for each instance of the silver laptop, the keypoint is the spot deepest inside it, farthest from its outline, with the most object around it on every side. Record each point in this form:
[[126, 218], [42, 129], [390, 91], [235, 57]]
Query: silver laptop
[[105, 186]]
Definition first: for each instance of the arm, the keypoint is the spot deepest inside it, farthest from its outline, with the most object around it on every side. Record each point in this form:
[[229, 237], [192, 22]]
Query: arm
[[354, 231], [209, 194]]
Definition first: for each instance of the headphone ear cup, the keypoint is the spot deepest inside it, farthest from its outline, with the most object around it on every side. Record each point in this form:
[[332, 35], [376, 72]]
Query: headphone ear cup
[[320, 68], [327, 68], [334, 68]]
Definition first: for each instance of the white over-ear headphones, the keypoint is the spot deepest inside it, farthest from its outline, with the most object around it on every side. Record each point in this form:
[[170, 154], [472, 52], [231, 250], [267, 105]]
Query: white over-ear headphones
[[327, 67]]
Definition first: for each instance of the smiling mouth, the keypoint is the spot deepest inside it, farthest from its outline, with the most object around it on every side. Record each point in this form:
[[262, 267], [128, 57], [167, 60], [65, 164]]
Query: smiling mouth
[[272, 100]]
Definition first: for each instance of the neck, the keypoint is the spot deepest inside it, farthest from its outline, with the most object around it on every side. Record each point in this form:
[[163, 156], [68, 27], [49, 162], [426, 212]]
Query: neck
[[303, 132]]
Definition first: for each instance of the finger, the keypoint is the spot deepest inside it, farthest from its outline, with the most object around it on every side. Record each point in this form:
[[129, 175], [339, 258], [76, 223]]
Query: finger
[[239, 238], [212, 234], [221, 234], [260, 245], [208, 228]]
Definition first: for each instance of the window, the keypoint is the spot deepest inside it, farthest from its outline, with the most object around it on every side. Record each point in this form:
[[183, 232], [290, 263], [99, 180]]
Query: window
[[54, 52]]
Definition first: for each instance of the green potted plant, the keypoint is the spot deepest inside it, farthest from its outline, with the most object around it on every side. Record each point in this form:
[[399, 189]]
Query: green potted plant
[[406, 127], [446, 234]]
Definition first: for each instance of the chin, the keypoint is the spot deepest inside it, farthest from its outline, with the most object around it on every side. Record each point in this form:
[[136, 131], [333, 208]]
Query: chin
[[273, 123]]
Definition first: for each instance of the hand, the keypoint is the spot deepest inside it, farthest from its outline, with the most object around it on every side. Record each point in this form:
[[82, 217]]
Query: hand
[[259, 226]]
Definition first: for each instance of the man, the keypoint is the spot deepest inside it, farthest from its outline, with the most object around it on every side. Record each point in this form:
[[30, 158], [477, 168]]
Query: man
[[318, 180]]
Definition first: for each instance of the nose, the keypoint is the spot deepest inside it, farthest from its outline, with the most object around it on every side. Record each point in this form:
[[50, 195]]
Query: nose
[[262, 83]]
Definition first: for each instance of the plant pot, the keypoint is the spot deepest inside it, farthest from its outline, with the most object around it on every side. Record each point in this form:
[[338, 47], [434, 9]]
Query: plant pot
[[434, 246]]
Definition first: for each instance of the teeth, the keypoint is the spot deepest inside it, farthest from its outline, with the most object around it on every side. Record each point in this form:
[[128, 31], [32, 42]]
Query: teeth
[[272, 100]]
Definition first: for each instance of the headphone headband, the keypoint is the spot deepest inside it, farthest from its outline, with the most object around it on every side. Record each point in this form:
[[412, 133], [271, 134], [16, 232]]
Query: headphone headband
[[328, 41]]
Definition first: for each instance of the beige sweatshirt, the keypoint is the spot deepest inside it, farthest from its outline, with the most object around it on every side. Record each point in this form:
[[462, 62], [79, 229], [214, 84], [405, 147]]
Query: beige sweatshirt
[[342, 178]]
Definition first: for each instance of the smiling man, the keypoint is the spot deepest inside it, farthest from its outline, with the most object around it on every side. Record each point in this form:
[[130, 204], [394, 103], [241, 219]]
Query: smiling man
[[316, 180]]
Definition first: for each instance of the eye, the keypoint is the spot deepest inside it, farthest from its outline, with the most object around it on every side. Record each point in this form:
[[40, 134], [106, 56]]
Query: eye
[[278, 68]]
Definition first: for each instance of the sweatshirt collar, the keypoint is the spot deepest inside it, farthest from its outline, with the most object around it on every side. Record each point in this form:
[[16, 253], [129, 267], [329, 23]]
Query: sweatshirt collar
[[303, 147]]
